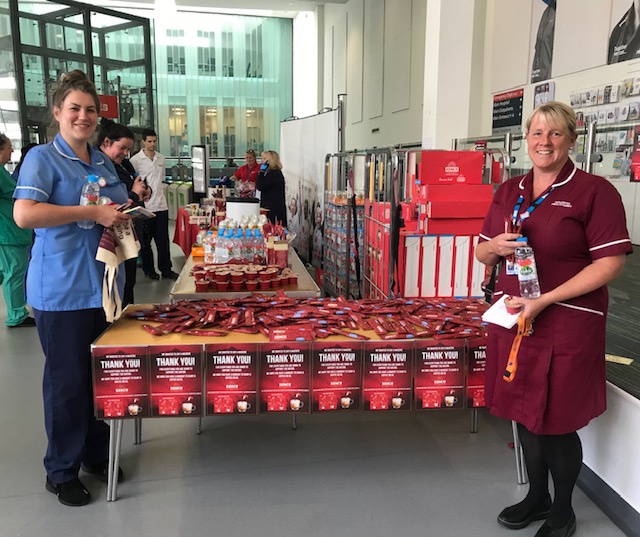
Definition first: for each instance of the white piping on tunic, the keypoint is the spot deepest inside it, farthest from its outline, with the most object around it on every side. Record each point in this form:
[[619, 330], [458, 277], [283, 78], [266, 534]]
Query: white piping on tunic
[[612, 243], [555, 185], [33, 188], [588, 310]]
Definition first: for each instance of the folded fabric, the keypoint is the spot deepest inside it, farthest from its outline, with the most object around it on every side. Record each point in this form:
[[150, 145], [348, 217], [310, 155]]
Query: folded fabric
[[117, 244]]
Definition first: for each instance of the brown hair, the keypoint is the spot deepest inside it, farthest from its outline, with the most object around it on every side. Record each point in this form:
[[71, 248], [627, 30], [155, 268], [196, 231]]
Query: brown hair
[[3, 140], [556, 113], [73, 81], [250, 152]]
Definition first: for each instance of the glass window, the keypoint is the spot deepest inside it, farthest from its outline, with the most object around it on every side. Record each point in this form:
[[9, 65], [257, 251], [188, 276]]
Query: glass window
[[209, 128], [178, 139], [29, 32]]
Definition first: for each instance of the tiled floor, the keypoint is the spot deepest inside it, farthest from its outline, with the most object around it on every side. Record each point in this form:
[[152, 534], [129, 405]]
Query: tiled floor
[[420, 474]]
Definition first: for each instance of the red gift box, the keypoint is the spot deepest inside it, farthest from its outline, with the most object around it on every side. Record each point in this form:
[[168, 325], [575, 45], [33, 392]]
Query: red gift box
[[168, 406], [223, 404], [454, 226], [379, 401], [451, 167], [276, 402]]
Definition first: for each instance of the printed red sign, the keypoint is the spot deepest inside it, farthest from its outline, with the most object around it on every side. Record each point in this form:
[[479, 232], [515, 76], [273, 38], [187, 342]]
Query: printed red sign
[[120, 382], [285, 377], [231, 379], [108, 106], [337, 376], [387, 378], [477, 353], [176, 380], [439, 379]]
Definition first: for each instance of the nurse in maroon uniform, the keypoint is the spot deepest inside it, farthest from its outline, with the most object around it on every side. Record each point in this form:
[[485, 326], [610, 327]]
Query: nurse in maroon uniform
[[576, 225]]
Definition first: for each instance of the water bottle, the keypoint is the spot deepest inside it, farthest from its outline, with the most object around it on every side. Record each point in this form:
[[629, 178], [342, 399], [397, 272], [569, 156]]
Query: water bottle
[[258, 246], [527, 271], [89, 196], [237, 244], [209, 252], [247, 245], [221, 254]]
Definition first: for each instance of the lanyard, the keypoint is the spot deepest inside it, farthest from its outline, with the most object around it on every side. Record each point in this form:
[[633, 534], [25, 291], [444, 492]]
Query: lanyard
[[518, 219]]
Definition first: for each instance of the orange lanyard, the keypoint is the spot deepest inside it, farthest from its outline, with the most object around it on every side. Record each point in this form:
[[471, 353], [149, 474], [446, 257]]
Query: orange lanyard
[[524, 329]]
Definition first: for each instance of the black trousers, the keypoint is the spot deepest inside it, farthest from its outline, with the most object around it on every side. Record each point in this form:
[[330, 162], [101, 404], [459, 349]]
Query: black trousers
[[74, 435], [157, 230]]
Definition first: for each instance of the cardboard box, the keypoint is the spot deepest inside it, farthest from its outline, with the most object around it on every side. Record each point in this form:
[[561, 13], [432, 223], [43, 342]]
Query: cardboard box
[[451, 167], [454, 226], [458, 200]]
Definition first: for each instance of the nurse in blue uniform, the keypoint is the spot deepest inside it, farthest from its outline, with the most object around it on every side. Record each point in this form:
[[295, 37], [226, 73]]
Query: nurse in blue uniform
[[64, 281]]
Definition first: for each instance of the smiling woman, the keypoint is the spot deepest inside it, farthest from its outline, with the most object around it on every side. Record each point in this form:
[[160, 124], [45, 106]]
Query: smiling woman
[[575, 223], [64, 281]]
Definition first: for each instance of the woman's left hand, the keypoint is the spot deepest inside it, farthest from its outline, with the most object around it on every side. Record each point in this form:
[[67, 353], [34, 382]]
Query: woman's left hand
[[532, 307]]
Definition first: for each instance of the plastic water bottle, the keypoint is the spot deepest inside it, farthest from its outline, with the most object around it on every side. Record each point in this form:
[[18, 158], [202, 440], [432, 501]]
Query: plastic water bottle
[[527, 272], [258, 246], [221, 254], [89, 196], [247, 245], [237, 243], [209, 245]]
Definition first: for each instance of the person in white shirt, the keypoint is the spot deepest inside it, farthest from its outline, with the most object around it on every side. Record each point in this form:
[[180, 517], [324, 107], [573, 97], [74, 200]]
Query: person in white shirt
[[151, 166]]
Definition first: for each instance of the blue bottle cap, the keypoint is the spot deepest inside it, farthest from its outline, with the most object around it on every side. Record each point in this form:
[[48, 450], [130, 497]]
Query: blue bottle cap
[[522, 239]]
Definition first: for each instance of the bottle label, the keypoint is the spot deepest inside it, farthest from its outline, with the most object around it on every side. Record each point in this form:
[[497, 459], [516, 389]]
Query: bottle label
[[527, 270]]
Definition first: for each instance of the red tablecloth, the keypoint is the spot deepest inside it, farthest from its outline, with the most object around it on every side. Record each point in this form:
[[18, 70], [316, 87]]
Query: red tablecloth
[[185, 233]]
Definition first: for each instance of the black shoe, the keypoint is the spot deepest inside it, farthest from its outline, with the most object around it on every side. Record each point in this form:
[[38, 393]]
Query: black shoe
[[565, 531], [29, 321], [170, 275], [72, 492], [152, 275], [514, 519], [100, 471]]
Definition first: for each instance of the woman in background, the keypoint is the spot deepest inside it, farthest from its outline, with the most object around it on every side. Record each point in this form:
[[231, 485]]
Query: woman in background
[[271, 185], [14, 248], [116, 141], [64, 281]]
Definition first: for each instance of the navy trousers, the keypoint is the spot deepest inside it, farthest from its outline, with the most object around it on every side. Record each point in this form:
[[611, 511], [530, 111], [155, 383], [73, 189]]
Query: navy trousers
[[74, 435], [157, 230]]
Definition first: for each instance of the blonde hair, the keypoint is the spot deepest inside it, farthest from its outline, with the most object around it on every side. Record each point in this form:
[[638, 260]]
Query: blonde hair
[[555, 113], [274, 159]]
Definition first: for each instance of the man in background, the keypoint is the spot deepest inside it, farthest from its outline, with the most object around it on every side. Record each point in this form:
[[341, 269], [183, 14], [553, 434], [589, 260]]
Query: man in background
[[151, 166]]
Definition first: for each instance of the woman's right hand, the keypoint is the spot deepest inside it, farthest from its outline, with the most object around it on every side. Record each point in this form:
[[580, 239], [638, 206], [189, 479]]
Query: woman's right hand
[[139, 187], [505, 244], [108, 215]]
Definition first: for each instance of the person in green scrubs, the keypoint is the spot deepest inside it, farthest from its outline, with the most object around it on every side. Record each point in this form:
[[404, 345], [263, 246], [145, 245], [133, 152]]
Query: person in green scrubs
[[14, 247]]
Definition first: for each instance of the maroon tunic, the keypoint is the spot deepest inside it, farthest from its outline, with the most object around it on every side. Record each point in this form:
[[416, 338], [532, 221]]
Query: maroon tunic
[[560, 382]]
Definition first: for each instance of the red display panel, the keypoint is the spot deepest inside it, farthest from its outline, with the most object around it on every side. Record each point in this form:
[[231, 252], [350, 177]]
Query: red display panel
[[337, 376], [285, 377], [175, 373], [477, 356], [120, 382], [387, 377], [231, 379], [439, 378]]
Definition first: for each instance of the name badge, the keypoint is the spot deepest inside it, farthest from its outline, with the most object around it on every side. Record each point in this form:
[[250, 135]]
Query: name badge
[[511, 268]]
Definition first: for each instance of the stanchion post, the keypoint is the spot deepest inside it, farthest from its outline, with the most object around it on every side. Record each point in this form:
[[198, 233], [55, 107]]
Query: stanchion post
[[137, 431], [517, 446]]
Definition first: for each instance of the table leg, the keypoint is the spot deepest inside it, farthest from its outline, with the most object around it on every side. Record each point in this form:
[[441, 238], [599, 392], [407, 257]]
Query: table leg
[[474, 420], [115, 443], [199, 426], [294, 424], [517, 446], [137, 431]]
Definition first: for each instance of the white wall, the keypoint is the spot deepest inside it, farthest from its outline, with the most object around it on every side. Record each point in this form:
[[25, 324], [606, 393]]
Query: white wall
[[374, 52], [305, 64]]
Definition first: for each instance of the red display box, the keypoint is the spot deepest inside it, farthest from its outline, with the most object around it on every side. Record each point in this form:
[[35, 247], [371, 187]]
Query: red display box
[[285, 377], [439, 375], [337, 376], [458, 200], [231, 377], [387, 376], [477, 358], [454, 226], [451, 167], [175, 380], [121, 382]]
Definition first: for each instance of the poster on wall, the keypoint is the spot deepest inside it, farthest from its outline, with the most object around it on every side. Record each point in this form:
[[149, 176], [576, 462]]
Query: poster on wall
[[544, 28], [304, 144], [507, 112], [624, 39], [543, 93]]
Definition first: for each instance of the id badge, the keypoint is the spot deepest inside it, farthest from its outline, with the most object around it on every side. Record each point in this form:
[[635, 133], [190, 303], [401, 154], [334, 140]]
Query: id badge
[[511, 268]]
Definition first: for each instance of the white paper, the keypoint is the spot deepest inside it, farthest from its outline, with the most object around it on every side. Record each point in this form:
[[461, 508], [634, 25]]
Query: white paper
[[498, 314]]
